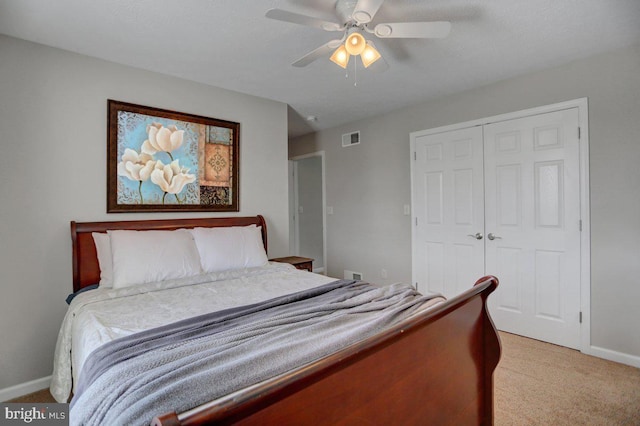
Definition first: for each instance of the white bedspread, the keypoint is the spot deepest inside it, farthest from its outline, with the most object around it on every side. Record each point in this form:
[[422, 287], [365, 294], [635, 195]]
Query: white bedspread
[[99, 316]]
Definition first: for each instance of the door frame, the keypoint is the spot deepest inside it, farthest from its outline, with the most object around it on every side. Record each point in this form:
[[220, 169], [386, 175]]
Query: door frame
[[294, 231], [582, 105]]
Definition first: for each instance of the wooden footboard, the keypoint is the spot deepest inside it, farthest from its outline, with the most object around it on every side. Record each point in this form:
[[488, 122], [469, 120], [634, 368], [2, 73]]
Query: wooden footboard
[[436, 369]]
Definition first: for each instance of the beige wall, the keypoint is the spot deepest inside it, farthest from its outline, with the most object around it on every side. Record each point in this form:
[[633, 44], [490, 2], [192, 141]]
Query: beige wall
[[368, 184], [53, 110]]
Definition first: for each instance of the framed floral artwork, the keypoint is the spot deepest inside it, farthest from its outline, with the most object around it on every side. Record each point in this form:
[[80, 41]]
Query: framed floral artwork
[[161, 161]]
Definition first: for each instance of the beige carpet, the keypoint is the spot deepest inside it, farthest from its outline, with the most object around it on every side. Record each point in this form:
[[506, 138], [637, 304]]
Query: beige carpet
[[541, 384], [41, 396], [538, 383]]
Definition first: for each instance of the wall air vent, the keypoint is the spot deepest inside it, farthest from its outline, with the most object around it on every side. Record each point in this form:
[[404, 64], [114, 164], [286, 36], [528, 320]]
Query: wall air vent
[[350, 275], [352, 138]]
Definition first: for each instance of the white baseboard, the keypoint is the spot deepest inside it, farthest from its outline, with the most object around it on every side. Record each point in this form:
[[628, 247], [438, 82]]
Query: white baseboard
[[318, 270], [620, 357], [24, 388]]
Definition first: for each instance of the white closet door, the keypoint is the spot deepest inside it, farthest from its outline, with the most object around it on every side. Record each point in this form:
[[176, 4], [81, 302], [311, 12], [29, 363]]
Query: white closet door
[[532, 189], [448, 208]]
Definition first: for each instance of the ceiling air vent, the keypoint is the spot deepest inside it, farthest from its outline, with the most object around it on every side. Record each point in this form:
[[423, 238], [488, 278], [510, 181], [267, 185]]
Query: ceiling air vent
[[352, 138]]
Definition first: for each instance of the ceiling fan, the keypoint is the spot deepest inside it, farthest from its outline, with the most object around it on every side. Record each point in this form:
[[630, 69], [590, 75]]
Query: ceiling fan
[[355, 18]]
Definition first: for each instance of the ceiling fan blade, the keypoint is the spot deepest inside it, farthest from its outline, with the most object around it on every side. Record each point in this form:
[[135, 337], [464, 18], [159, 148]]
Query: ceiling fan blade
[[438, 29], [365, 10], [321, 51], [296, 18]]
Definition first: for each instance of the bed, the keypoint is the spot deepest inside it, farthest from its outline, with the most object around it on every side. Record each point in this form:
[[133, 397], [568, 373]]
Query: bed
[[433, 365]]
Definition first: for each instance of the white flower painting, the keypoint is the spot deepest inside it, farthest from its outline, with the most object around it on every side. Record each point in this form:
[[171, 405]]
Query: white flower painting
[[171, 178], [165, 163], [165, 139], [143, 166]]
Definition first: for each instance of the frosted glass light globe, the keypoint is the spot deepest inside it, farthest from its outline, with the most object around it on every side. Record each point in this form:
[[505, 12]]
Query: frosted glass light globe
[[355, 44]]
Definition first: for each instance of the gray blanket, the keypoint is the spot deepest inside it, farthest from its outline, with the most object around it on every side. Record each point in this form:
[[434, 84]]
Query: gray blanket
[[182, 365]]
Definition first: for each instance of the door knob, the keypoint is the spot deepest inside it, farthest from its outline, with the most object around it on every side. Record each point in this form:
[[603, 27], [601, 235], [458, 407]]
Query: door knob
[[477, 236], [493, 237]]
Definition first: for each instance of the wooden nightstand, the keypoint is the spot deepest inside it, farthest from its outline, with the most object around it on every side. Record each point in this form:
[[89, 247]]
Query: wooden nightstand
[[304, 263]]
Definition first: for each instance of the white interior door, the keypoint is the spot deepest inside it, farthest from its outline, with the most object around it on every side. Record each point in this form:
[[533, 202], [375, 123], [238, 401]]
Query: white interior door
[[517, 184], [532, 190], [448, 209]]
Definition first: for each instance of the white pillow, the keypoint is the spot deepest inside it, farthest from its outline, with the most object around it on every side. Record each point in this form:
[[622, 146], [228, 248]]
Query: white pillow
[[234, 247], [103, 250], [148, 256]]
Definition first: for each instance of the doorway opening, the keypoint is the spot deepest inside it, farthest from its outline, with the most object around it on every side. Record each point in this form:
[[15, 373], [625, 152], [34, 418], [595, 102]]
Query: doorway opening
[[307, 215]]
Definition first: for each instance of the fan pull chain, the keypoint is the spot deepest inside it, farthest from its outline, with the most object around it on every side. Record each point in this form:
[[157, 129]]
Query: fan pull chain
[[355, 72]]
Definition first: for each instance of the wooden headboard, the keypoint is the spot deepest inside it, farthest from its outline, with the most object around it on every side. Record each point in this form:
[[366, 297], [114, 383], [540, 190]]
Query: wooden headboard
[[86, 270]]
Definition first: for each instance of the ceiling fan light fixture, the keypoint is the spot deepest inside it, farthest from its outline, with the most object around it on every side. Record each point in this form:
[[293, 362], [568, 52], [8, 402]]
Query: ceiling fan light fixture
[[369, 55], [341, 56], [355, 43], [354, 21]]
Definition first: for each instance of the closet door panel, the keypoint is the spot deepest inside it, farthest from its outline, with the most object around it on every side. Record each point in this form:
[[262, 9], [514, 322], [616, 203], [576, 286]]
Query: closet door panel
[[533, 209], [448, 208]]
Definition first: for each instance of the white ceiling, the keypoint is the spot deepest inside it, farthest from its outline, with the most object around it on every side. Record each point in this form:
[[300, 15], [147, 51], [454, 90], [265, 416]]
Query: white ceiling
[[230, 44]]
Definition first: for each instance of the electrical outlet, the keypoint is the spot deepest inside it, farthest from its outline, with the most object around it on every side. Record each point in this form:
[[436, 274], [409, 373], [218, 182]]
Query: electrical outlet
[[407, 209], [329, 210], [383, 273]]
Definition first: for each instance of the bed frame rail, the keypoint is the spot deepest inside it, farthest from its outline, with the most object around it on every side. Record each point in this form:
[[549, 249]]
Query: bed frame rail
[[436, 369]]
